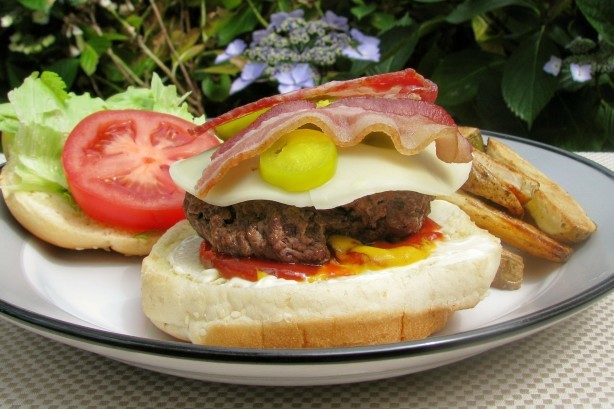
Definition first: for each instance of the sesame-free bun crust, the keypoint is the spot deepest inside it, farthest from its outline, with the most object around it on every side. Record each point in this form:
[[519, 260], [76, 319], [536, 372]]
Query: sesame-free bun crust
[[56, 220], [381, 307]]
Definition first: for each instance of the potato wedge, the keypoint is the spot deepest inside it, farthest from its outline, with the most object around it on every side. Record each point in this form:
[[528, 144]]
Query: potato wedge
[[474, 136], [521, 185], [483, 182], [510, 230], [554, 211], [510, 273]]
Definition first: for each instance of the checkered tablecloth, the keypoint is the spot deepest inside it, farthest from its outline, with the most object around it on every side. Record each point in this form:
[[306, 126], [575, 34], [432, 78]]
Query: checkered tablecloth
[[569, 365]]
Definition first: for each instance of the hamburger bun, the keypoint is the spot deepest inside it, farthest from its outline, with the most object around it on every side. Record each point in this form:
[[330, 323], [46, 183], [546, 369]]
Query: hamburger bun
[[386, 306], [56, 219]]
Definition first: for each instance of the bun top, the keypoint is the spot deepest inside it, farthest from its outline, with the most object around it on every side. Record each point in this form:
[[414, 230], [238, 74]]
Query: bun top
[[54, 219]]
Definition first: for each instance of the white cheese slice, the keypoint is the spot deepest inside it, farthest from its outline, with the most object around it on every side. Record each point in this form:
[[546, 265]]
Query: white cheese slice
[[361, 170]]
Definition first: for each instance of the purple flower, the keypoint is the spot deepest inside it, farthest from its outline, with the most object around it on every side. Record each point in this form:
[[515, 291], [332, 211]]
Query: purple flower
[[300, 76], [258, 35], [335, 21], [233, 49], [251, 72], [278, 18], [367, 48], [581, 73], [553, 66]]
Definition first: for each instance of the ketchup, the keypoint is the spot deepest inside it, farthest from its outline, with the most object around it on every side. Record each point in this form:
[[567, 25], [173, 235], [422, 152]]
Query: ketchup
[[349, 263]]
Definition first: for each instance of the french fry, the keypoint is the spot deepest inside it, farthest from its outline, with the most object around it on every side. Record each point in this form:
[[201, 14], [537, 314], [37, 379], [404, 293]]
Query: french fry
[[510, 230], [510, 273], [474, 136], [553, 210]]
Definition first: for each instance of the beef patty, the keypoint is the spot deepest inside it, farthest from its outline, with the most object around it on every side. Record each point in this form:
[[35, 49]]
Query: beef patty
[[289, 234]]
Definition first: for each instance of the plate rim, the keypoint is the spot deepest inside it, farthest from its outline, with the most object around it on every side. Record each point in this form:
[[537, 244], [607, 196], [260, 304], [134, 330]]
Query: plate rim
[[431, 345]]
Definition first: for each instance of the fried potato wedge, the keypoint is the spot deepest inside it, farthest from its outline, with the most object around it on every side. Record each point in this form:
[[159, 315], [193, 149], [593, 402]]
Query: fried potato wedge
[[474, 136], [553, 210], [510, 273], [484, 182], [509, 229], [520, 184]]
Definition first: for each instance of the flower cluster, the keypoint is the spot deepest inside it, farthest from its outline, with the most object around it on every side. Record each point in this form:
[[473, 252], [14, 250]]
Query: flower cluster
[[291, 50], [586, 59], [579, 72]]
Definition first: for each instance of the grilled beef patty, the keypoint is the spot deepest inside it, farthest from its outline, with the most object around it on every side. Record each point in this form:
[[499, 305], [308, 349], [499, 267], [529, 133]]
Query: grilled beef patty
[[289, 234]]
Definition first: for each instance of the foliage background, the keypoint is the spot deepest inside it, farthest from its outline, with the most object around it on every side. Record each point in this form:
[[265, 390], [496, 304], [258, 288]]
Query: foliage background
[[486, 55]]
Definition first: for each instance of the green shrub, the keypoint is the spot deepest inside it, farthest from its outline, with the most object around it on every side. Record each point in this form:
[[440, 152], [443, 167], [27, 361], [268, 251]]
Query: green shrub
[[538, 69]]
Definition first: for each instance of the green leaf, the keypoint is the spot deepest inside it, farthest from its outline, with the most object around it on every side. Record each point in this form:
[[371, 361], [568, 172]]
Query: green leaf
[[472, 8], [383, 21], [527, 88], [66, 68], [492, 112], [396, 47], [600, 14], [363, 10], [231, 4], [229, 69], [55, 84], [115, 36], [45, 114], [38, 5], [216, 89], [158, 97], [100, 44], [135, 21], [89, 59], [459, 75], [571, 121], [188, 54], [605, 119], [242, 22]]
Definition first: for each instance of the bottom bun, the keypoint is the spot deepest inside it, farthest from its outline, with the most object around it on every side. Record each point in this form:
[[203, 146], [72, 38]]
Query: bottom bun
[[393, 305], [56, 220]]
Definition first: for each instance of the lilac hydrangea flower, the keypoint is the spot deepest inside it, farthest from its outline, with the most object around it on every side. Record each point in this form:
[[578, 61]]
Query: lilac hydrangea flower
[[300, 76], [335, 21], [367, 48], [258, 35], [581, 73], [278, 18], [233, 49], [251, 72], [553, 66]]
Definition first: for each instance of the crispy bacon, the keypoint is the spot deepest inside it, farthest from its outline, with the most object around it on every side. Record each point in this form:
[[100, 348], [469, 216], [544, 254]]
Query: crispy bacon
[[411, 125], [401, 84]]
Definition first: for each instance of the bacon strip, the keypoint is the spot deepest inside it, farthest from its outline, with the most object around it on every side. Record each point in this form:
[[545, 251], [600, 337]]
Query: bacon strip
[[401, 84], [411, 125]]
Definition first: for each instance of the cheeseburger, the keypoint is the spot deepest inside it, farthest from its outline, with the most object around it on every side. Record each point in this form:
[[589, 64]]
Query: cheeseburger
[[316, 224]]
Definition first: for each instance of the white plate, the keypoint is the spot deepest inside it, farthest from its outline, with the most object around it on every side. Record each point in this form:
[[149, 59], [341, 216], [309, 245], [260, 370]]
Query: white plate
[[90, 300]]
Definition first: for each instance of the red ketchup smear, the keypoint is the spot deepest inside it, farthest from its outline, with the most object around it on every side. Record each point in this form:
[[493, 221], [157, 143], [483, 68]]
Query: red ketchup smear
[[252, 269]]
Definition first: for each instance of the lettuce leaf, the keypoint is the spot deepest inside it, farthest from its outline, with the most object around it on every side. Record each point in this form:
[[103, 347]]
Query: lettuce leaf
[[41, 114]]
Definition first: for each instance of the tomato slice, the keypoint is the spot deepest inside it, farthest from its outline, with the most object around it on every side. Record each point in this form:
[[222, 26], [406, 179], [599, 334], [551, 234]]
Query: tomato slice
[[117, 162]]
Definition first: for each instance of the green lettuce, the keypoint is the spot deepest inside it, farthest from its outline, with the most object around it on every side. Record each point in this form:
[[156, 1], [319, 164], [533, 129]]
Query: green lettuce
[[41, 114]]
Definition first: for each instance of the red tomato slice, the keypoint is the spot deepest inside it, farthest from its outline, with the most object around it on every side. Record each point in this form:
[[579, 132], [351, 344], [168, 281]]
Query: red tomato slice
[[117, 162]]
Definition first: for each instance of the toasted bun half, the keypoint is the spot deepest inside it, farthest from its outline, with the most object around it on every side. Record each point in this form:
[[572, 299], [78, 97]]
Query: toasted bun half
[[386, 306], [56, 220]]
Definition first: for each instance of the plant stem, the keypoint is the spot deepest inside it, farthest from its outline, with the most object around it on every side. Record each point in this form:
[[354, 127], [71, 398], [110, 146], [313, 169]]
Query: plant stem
[[257, 13], [124, 69], [195, 93]]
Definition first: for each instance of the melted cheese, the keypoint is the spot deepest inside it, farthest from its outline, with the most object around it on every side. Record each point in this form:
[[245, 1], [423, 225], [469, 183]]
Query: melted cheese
[[361, 170]]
